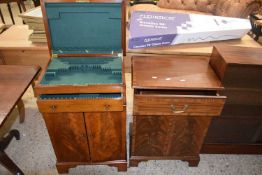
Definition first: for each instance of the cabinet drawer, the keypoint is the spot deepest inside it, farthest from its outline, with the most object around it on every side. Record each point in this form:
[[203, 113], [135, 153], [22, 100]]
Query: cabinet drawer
[[186, 105], [48, 105]]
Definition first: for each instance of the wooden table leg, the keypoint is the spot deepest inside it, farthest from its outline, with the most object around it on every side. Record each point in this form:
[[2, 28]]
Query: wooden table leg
[[9, 164], [2, 17], [21, 110], [4, 159], [10, 12], [19, 7]]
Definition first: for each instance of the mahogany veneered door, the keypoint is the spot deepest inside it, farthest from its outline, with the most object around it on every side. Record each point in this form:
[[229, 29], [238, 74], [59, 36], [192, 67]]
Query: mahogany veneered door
[[105, 133], [151, 135], [187, 135], [68, 135]]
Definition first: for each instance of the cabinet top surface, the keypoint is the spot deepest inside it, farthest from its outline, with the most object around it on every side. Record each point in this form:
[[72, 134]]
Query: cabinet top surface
[[241, 55], [174, 72]]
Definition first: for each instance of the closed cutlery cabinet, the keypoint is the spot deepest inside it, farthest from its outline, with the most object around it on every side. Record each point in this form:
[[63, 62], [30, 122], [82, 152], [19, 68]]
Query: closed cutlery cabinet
[[81, 95], [175, 99], [239, 129]]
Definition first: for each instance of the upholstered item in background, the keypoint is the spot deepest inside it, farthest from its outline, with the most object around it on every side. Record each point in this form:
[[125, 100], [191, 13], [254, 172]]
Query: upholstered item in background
[[229, 8]]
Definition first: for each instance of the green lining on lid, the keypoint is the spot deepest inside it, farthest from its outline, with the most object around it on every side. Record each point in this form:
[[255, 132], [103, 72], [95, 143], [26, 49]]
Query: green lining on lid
[[84, 27]]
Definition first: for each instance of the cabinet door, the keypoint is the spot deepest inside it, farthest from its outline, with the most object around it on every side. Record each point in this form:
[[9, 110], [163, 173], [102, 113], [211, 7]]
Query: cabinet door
[[106, 133], [150, 135], [187, 135], [68, 135]]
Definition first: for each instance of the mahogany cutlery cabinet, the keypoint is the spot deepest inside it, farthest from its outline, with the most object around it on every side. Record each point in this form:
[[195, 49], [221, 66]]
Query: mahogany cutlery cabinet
[[81, 95]]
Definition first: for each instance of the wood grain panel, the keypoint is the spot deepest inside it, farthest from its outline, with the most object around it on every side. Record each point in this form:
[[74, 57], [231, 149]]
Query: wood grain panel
[[150, 137], [240, 55], [243, 96], [80, 105], [14, 81], [162, 105], [239, 129], [67, 89], [241, 111], [238, 67], [173, 72], [26, 57], [243, 76], [235, 130], [105, 135], [188, 135], [68, 135], [218, 63]]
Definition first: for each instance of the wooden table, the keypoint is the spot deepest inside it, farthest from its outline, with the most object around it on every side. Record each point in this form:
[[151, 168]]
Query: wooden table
[[14, 80], [16, 49]]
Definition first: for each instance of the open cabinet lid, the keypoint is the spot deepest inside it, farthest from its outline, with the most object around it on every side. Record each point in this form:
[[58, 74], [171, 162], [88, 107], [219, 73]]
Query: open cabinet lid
[[84, 27]]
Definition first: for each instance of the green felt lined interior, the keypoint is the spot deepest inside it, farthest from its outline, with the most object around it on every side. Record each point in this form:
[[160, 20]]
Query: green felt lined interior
[[84, 27], [83, 71], [79, 96]]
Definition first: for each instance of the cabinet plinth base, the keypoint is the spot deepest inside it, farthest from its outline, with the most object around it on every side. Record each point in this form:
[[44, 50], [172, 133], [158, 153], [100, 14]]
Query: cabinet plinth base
[[63, 167], [192, 160]]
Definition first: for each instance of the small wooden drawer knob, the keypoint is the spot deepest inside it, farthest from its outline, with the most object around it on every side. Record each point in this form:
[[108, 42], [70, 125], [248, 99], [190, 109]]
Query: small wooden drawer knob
[[107, 107], [53, 108]]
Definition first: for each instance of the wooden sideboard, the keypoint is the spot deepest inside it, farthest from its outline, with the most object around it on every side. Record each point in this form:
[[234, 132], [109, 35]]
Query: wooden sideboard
[[239, 129], [175, 99]]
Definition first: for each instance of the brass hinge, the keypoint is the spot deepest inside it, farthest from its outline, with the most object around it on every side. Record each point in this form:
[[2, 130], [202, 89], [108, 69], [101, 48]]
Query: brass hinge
[[82, 0], [54, 55], [118, 54]]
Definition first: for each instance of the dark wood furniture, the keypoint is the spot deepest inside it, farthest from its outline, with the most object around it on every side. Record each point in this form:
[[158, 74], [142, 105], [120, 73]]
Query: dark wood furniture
[[14, 80], [2, 16], [239, 129], [86, 121], [175, 99], [20, 4], [256, 23]]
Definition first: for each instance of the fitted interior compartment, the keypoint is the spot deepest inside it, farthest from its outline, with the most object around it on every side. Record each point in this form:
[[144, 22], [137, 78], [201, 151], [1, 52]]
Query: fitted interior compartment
[[83, 71], [80, 96]]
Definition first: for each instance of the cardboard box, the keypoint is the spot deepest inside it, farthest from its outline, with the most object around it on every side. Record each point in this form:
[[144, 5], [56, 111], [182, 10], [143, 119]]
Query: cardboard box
[[152, 29]]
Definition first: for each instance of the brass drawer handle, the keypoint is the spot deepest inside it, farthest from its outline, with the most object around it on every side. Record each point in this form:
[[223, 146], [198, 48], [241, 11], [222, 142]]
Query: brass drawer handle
[[173, 108]]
